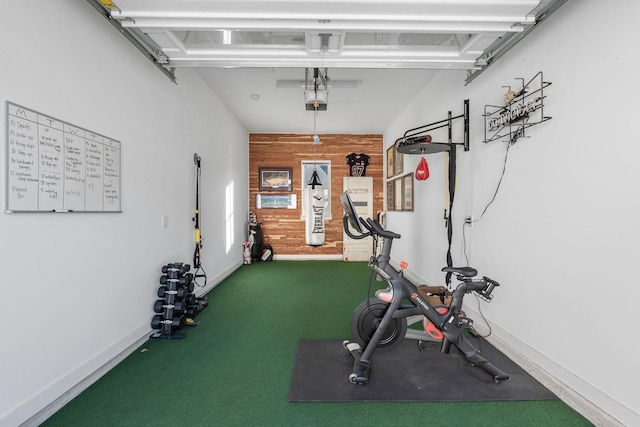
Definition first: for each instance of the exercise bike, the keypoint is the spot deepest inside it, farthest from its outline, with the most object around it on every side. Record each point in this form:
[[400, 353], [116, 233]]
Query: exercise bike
[[380, 323]]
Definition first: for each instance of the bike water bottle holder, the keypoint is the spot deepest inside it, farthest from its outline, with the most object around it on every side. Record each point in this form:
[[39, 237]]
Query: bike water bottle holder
[[381, 275]]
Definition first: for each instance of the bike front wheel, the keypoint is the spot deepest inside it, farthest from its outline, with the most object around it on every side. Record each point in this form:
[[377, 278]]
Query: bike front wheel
[[366, 320]]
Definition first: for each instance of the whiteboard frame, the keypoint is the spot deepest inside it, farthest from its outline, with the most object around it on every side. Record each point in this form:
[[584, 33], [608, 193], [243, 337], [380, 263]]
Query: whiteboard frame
[[8, 157]]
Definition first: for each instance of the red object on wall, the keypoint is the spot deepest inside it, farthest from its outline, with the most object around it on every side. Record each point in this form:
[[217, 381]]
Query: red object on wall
[[422, 171]]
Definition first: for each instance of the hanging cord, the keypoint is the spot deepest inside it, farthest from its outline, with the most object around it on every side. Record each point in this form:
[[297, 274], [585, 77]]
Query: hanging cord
[[504, 167], [373, 274], [484, 319], [464, 237], [316, 138], [452, 192], [512, 140], [449, 219], [199, 273], [317, 77]]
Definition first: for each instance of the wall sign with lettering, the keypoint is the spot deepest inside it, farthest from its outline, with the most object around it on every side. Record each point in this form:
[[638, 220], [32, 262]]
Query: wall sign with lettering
[[523, 108], [54, 166]]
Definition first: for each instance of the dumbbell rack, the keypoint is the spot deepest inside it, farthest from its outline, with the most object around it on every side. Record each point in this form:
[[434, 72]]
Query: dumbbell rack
[[176, 303]]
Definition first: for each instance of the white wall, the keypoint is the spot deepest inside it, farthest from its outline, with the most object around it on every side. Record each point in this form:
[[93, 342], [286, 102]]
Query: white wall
[[562, 235], [78, 289]]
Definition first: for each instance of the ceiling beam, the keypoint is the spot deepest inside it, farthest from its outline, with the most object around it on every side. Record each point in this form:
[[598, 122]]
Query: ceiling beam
[[501, 47], [279, 24], [384, 34], [136, 41]]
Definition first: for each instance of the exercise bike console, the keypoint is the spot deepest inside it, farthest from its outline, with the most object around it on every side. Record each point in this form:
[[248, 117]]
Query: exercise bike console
[[350, 216], [381, 322]]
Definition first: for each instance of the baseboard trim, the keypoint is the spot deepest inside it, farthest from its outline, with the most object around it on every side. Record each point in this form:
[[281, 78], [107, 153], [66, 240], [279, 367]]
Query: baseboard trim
[[212, 283], [504, 342], [141, 334], [137, 338], [501, 339], [542, 369], [309, 257]]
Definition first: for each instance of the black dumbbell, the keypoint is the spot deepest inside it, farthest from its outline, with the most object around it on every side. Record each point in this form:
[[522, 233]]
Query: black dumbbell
[[179, 293], [158, 321], [178, 307]]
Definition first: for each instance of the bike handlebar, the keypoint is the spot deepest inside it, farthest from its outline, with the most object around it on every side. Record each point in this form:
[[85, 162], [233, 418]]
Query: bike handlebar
[[483, 288], [373, 227], [376, 228], [491, 285], [345, 225]]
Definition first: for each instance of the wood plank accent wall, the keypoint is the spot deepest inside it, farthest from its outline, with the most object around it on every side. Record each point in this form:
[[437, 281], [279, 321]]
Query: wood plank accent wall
[[282, 228]]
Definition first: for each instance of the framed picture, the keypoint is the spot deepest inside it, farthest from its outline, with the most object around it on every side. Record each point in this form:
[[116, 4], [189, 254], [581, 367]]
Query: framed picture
[[390, 161], [398, 193], [398, 162], [407, 192], [276, 201], [274, 179], [391, 200]]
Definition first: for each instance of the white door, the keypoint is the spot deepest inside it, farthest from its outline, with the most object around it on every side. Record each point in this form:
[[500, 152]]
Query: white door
[[360, 189]]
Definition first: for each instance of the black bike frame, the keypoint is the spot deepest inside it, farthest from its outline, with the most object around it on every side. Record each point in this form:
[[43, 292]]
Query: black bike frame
[[451, 324]]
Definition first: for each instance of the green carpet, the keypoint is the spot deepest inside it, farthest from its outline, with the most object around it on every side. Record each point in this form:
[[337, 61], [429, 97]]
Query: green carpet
[[235, 368]]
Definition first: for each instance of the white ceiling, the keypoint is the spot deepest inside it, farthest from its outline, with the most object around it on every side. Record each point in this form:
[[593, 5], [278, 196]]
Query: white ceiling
[[370, 108], [390, 49]]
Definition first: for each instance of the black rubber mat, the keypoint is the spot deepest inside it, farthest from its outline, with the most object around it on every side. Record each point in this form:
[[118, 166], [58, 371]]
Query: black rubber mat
[[406, 374]]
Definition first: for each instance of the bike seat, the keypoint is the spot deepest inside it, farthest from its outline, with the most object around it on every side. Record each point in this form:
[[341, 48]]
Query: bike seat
[[462, 271]]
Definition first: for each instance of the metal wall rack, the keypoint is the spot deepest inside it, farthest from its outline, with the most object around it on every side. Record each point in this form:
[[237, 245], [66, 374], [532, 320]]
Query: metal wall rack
[[523, 110], [420, 141]]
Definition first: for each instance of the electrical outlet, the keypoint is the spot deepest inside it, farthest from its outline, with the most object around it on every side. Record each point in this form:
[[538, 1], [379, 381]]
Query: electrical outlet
[[469, 220], [165, 221]]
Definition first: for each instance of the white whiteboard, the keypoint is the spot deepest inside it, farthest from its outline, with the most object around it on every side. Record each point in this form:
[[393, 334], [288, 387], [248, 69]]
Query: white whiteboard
[[54, 166]]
